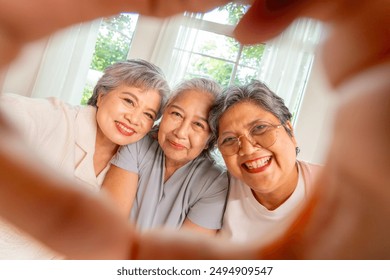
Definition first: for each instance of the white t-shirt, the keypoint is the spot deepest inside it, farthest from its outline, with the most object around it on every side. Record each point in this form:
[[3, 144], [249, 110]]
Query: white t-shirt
[[246, 219]]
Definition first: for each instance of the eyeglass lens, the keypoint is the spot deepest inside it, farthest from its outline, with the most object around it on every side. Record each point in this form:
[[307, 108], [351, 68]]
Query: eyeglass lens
[[265, 139]]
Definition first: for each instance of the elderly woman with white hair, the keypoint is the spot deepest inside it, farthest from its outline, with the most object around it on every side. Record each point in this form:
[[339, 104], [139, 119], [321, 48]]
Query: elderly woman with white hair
[[79, 141], [172, 181]]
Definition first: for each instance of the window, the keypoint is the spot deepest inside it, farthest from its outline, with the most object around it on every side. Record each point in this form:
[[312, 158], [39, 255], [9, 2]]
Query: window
[[201, 45], [112, 44], [204, 47]]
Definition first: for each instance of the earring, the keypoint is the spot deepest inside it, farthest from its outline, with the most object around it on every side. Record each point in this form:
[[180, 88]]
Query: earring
[[297, 150]]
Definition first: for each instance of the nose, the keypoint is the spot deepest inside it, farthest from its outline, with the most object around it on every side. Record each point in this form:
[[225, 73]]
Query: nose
[[246, 147], [181, 131], [134, 117]]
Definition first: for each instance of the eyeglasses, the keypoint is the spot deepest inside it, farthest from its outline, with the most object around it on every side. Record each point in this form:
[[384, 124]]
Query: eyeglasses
[[261, 135]]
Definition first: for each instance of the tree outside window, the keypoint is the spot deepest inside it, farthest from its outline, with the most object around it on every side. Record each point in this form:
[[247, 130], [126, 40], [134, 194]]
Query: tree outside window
[[219, 56], [112, 45]]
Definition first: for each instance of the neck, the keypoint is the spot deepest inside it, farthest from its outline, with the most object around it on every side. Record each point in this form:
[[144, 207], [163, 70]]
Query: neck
[[274, 199], [105, 149], [170, 168]]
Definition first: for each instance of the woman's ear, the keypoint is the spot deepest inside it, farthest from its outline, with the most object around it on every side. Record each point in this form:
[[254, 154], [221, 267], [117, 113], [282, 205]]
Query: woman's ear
[[291, 129], [99, 99]]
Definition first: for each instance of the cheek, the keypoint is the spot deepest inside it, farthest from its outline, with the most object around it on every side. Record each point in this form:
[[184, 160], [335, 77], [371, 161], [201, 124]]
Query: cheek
[[285, 154], [100, 118], [232, 165], [162, 131], [146, 127], [108, 109], [200, 141], [160, 136], [166, 125], [104, 101]]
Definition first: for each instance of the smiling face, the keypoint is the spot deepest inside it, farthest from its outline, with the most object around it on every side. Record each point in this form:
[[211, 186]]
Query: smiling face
[[184, 130], [126, 113], [266, 171]]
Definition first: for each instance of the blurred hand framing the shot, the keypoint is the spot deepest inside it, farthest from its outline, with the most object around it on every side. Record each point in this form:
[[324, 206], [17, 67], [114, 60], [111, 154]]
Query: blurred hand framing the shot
[[348, 216]]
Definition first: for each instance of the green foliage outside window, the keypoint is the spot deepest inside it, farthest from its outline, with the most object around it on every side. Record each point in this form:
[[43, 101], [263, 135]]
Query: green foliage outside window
[[235, 11], [114, 40], [222, 70], [112, 45]]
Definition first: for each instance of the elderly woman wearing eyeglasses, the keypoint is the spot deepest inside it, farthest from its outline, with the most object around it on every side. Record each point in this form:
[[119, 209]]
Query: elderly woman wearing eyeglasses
[[268, 185]]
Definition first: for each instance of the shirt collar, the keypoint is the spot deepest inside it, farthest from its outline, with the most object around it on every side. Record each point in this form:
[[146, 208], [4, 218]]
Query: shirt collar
[[86, 128]]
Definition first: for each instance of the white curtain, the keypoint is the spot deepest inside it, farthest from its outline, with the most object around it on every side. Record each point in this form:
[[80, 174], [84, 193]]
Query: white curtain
[[286, 63], [54, 66], [179, 33], [65, 65]]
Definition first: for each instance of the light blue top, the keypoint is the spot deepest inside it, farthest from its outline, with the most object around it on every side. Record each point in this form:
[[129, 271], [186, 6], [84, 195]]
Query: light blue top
[[197, 190]]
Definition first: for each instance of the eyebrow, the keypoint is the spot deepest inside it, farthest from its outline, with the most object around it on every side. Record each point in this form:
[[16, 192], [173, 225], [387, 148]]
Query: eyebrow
[[246, 126], [181, 109], [136, 98], [249, 125]]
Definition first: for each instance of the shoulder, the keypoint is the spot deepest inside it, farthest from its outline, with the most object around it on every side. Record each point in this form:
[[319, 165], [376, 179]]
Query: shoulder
[[208, 177], [310, 168], [238, 189], [146, 145], [208, 168], [85, 117], [310, 172], [143, 151]]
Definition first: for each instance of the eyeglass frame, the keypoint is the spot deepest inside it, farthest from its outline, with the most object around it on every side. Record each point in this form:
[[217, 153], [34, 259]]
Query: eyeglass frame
[[250, 138]]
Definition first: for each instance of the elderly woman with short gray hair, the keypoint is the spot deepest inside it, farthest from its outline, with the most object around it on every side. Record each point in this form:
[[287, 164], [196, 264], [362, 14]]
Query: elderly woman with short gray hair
[[172, 181], [79, 141], [268, 184]]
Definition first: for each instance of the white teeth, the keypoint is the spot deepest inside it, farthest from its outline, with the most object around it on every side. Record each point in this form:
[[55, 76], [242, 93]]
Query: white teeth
[[128, 130], [257, 163]]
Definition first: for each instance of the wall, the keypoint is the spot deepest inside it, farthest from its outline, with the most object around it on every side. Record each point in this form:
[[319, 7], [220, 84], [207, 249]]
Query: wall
[[313, 128]]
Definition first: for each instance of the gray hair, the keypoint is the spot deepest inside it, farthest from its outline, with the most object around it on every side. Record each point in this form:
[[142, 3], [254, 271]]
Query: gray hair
[[256, 93], [203, 85], [133, 72]]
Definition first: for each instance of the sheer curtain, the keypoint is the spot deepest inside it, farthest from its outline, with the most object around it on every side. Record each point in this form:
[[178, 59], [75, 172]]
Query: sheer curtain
[[54, 66], [171, 51], [285, 65], [64, 67]]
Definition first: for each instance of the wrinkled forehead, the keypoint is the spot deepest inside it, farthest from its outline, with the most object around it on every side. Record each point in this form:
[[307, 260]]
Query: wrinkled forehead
[[192, 94], [242, 114], [193, 98], [241, 107]]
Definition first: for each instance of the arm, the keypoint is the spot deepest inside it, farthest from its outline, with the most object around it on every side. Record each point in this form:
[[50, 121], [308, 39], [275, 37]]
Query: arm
[[46, 207], [121, 185], [24, 115], [29, 118], [206, 213], [194, 227]]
